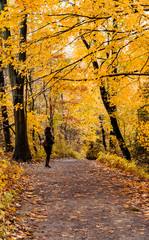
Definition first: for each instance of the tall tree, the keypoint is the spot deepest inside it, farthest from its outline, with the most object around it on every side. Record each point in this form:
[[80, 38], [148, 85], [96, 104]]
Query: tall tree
[[111, 109], [5, 120], [17, 80], [103, 132], [56, 31]]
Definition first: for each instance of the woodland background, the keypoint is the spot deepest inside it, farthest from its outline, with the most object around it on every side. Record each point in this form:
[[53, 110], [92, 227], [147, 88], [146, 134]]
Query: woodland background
[[80, 67]]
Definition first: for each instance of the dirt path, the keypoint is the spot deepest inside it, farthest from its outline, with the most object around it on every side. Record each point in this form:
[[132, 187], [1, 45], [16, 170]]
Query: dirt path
[[78, 200]]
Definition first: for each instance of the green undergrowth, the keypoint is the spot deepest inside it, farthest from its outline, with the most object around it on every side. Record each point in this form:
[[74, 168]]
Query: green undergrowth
[[123, 164], [10, 186], [63, 150], [60, 149]]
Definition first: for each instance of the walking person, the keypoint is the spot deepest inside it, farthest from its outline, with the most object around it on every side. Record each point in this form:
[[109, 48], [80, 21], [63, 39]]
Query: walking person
[[47, 142]]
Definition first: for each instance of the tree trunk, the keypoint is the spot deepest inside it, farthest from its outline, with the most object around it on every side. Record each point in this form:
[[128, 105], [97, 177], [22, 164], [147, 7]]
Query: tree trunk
[[22, 151], [5, 121], [111, 111], [51, 115], [103, 133], [32, 105], [112, 145]]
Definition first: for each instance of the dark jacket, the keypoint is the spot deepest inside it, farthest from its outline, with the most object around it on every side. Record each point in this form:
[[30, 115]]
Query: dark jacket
[[50, 139]]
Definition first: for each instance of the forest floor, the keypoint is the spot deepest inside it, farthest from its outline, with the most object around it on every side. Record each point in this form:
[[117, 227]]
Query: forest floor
[[78, 199]]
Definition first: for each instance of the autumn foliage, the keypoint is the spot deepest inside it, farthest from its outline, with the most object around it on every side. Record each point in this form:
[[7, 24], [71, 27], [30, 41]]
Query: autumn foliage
[[69, 64], [9, 188], [82, 68]]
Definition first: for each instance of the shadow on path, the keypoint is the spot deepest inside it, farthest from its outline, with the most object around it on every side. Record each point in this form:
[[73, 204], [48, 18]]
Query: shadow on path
[[77, 200]]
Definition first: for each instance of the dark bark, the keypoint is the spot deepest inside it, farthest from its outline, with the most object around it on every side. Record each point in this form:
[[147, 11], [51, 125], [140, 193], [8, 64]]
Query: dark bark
[[143, 117], [112, 144], [103, 133], [5, 121], [22, 151], [32, 105], [64, 124], [45, 99], [33, 137], [111, 109], [51, 115], [9, 126]]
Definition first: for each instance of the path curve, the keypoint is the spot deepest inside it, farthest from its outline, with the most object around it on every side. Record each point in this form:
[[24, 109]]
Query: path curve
[[76, 199]]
